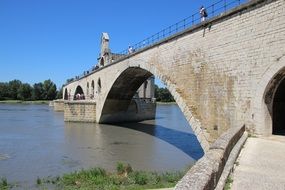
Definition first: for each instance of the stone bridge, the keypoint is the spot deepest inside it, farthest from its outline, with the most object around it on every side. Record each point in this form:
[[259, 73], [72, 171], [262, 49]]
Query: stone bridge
[[225, 72]]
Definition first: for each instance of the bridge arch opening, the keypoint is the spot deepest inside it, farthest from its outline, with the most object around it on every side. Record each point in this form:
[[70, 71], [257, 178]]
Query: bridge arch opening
[[92, 89], [278, 127], [87, 89], [275, 101], [79, 94], [102, 62], [65, 94], [120, 97], [99, 86]]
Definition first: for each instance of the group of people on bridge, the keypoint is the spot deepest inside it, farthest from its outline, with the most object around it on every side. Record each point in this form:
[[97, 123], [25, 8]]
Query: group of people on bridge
[[79, 96]]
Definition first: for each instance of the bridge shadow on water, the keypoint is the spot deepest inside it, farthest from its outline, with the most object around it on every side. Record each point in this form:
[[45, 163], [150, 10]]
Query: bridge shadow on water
[[186, 142]]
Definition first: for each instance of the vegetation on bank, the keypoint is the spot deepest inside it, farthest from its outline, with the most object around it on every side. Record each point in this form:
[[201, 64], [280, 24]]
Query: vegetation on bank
[[16, 90], [163, 95], [229, 183], [124, 178], [24, 102], [4, 184]]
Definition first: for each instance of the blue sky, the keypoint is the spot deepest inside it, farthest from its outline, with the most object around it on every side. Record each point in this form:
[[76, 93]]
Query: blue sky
[[59, 39]]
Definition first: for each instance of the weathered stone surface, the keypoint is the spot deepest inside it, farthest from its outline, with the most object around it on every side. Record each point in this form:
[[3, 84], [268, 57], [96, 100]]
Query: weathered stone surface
[[218, 75], [227, 141], [205, 174], [58, 105], [231, 162], [80, 111]]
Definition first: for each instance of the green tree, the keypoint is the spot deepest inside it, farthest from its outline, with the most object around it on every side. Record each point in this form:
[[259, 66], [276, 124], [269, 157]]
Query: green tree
[[13, 87], [163, 95], [38, 90], [4, 91], [59, 94], [49, 90], [25, 92]]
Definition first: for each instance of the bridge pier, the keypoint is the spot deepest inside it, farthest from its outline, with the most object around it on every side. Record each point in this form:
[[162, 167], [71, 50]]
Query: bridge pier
[[58, 105], [138, 109], [80, 111]]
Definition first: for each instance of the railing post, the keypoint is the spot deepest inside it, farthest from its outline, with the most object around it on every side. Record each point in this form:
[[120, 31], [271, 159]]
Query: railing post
[[176, 27], [219, 5]]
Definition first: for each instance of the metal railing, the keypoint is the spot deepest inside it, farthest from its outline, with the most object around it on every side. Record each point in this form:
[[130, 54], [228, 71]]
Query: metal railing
[[213, 10], [218, 8]]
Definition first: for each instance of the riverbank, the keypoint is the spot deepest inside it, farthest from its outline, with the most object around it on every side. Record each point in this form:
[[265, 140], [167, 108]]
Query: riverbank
[[97, 178], [24, 102]]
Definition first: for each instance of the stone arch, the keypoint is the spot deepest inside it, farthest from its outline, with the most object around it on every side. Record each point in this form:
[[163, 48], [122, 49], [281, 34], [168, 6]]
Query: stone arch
[[102, 62], [87, 89], [99, 86], [145, 87], [278, 109], [272, 99], [79, 94], [92, 89], [128, 81], [270, 82], [65, 97]]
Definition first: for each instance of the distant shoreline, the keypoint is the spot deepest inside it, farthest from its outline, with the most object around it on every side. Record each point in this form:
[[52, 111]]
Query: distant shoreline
[[24, 102]]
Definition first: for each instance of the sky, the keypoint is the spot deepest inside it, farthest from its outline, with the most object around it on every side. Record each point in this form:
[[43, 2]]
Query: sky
[[59, 39]]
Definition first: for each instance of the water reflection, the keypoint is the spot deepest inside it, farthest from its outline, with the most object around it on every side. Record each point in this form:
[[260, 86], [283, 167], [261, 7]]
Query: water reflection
[[35, 142], [186, 142]]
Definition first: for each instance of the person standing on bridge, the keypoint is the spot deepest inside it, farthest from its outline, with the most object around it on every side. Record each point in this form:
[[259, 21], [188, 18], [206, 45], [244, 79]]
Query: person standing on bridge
[[130, 50], [203, 13]]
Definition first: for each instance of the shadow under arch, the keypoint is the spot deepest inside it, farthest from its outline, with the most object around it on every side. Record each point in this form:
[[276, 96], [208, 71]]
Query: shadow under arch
[[122, 92], [274, 99], [65, 94], [127, 82], [102, 62], [99, 86], [190, 145]]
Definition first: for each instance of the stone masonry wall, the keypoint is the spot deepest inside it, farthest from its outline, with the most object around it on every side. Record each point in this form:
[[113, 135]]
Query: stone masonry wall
[[58, 105], [80, 111], [214, 70]]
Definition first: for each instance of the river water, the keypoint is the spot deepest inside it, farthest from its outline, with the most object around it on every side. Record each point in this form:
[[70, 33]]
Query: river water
[[36, 142]]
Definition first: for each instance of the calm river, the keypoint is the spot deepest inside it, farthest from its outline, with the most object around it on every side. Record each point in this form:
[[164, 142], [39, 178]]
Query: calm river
[[36, 142]]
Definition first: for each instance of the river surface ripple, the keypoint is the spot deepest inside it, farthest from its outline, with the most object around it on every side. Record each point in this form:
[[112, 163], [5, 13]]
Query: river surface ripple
[[36, 142]]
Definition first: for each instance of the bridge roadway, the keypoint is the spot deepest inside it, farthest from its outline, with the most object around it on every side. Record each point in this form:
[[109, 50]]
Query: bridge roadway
[[261, 165]]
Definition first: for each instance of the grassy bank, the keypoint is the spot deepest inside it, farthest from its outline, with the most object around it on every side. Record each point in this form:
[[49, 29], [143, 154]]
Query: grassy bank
[[125, 178], [24, 102]]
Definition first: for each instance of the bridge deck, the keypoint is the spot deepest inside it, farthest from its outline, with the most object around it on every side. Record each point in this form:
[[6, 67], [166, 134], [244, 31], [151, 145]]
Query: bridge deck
[[261, 164]]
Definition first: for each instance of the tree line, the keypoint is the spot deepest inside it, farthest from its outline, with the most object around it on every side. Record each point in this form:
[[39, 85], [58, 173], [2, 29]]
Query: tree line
[[163, 95], [16, 90]]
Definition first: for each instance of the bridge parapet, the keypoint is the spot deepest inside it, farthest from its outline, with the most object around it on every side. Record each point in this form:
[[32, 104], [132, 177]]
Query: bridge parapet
[[206, 173]]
